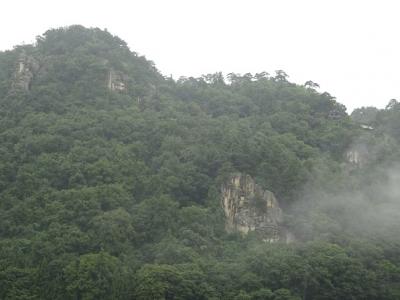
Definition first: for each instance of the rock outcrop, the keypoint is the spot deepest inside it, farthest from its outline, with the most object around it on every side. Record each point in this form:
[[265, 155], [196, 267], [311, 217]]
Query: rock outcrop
[[248, 208], [26, 68], [357, 155], [116, 81]]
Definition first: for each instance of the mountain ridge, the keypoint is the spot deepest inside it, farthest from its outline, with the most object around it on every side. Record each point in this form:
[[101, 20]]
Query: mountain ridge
[[111, 175]]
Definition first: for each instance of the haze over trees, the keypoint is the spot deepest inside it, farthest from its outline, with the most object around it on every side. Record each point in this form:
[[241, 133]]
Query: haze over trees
[[110, 179]]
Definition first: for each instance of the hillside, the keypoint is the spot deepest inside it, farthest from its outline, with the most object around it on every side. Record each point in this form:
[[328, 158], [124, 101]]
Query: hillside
[[111, 175]]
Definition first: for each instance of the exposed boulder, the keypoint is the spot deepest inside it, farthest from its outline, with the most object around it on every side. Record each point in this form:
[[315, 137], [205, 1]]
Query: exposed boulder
[[248, 208]]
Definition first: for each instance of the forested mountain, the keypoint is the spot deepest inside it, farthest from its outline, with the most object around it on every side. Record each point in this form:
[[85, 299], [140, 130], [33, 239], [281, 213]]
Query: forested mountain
[[111, 173]]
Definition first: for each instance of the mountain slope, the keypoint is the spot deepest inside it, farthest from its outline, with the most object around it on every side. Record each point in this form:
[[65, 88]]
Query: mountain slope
[[110, 181]]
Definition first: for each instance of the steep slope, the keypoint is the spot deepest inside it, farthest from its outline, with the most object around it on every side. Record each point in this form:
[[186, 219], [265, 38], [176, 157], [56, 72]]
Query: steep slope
[[110, 179]]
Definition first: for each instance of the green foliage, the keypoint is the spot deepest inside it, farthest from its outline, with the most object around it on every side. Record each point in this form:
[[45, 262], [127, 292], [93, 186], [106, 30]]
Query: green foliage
[[93, 276], [115, 194]]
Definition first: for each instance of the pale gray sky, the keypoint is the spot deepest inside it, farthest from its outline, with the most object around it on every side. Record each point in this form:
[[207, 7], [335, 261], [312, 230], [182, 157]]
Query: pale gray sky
[[350, 47]]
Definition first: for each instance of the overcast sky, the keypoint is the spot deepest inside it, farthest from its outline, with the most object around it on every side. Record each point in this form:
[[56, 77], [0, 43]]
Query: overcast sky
[[350, 47]]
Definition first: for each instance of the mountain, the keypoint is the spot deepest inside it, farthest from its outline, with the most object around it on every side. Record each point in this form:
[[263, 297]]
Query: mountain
[[111, 178]]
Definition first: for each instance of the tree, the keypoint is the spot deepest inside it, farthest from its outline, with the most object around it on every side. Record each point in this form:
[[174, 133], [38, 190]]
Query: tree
[[94, 276], [161, 282], [311, 85], [281, 76], [392, 104]]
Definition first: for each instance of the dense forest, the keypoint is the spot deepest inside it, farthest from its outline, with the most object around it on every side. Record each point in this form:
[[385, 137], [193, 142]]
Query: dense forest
[[110, 178]]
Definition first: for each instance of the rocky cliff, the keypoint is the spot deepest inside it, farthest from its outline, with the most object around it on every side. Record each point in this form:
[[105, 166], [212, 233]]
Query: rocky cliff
[[248, 208], [116, 81], [24, 72]]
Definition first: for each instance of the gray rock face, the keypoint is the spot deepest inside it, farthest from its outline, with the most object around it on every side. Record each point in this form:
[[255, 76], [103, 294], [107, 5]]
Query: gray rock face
[[357, 155], [248, 208], [116, 81], [26, 68]]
